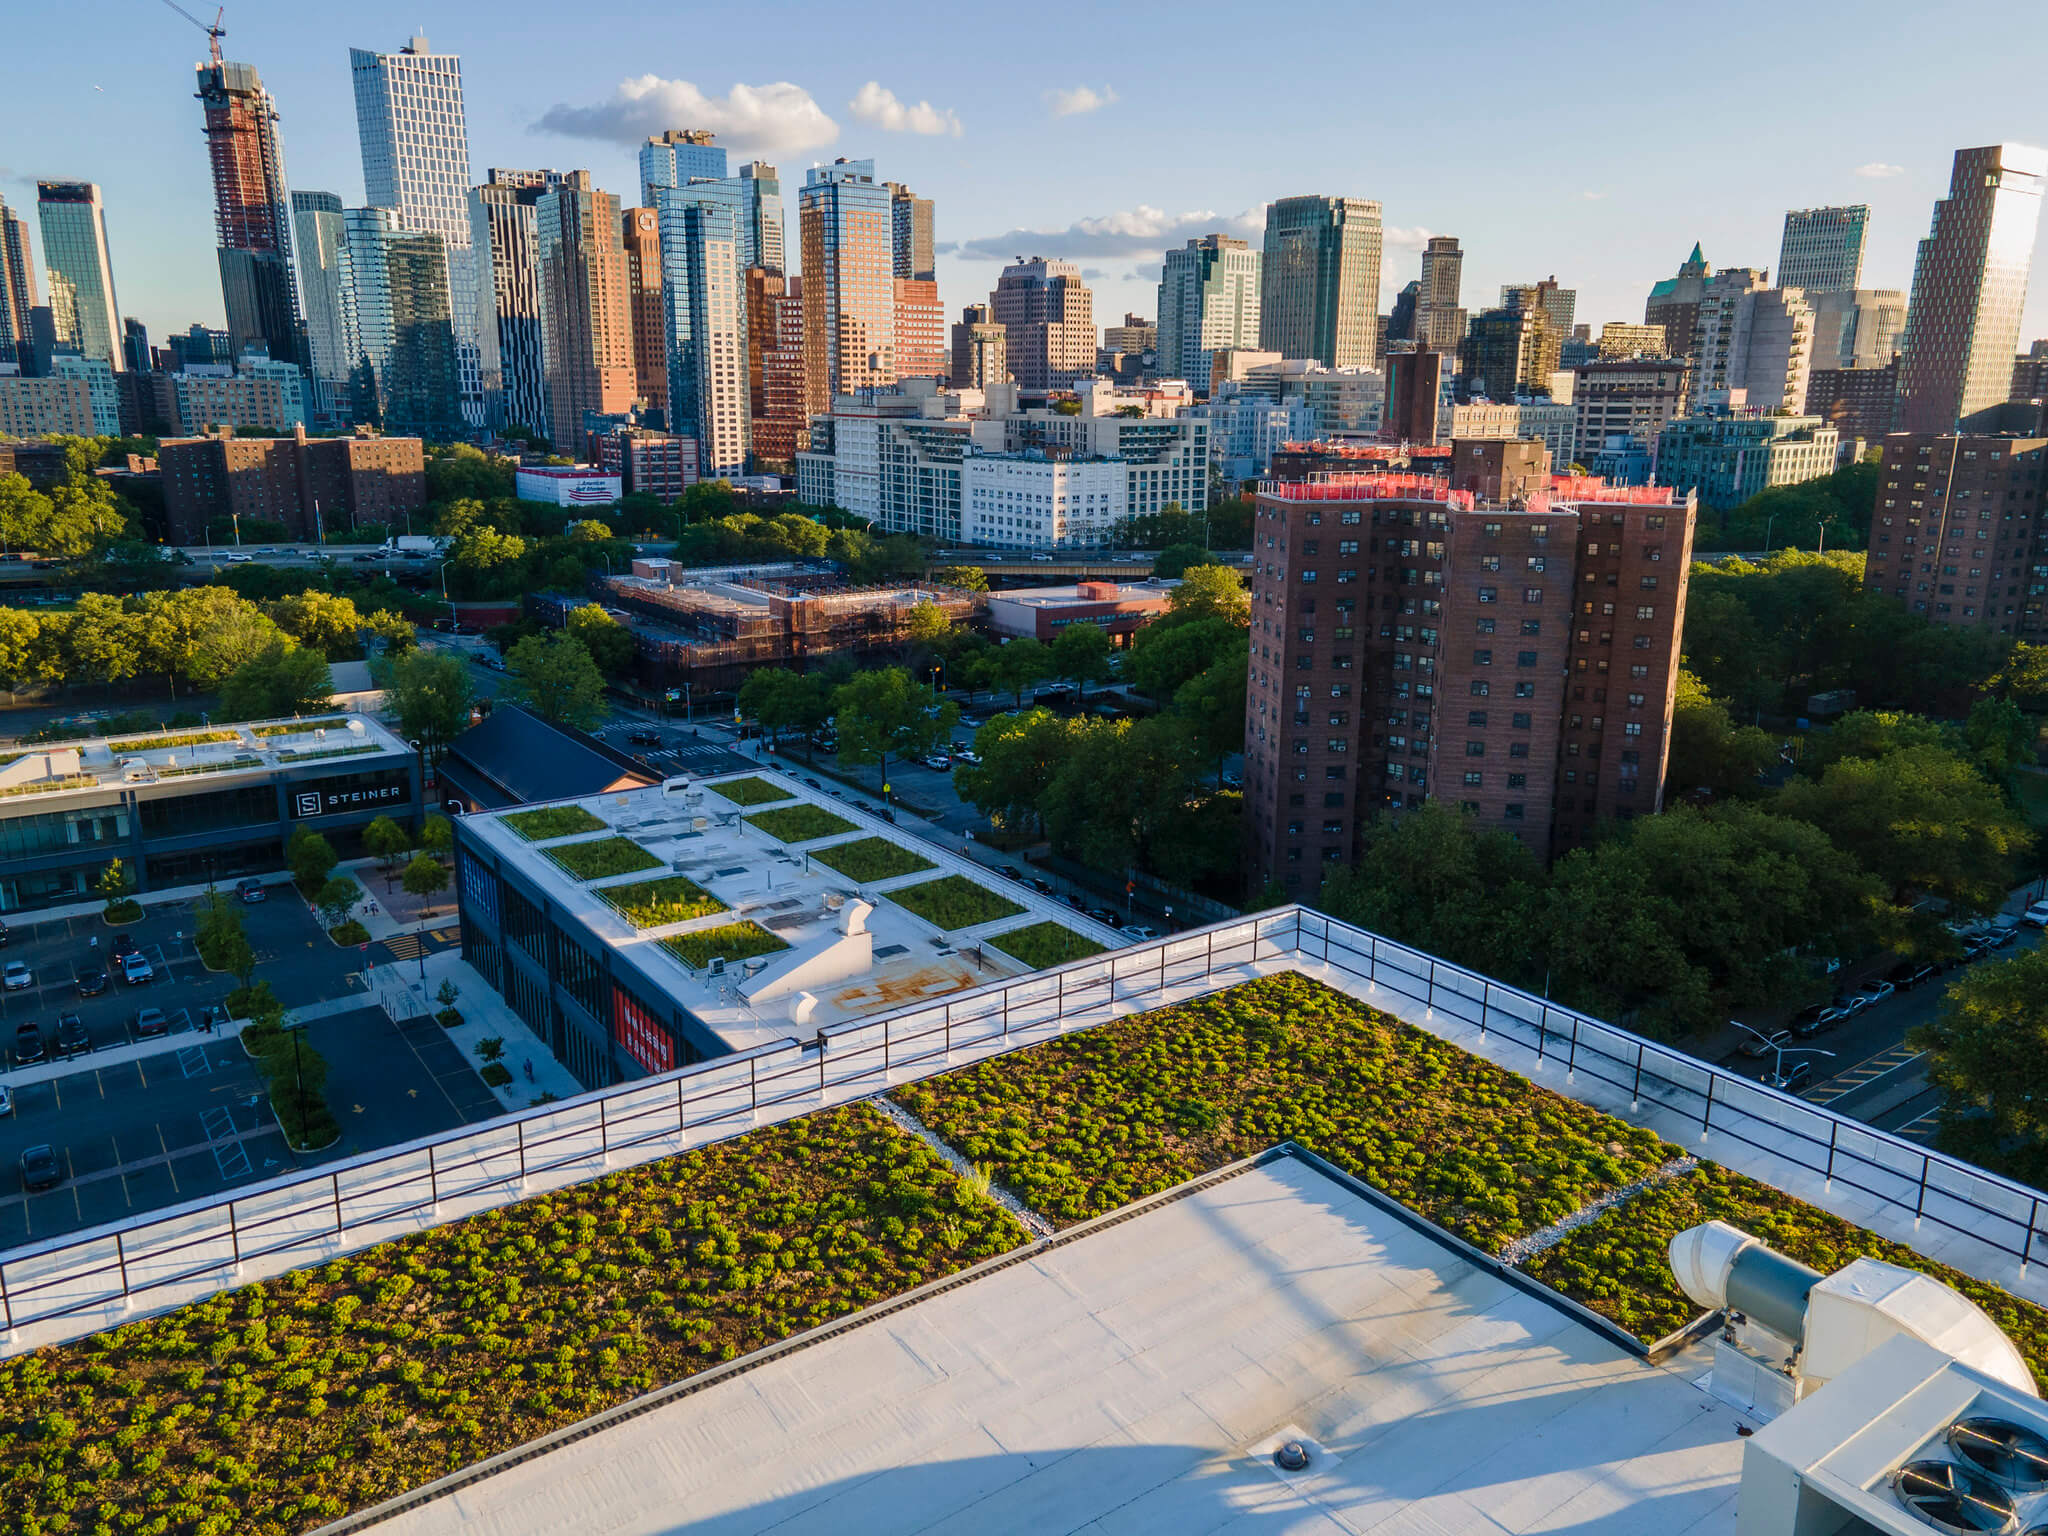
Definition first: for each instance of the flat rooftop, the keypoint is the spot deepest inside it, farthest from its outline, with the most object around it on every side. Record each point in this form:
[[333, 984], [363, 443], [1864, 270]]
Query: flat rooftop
[[788, 889], [31, 773], [1137, 1377], [1070, 594]]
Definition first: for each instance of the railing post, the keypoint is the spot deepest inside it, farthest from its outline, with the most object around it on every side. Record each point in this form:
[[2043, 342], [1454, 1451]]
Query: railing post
[[1429, 1002], [1162, 960], [1209, 954], [1834, 1130], [7, 1302], [949, 1031], [1485, 995], [521, 1124], [1542, 1030], [1707, 1113], [1571, 1065], [885, 1046], [121, 1258], [604, 1130], [2026, 1252], [433, 1182], [1635, 1093], [235, 1237], [753, 1087], [335, 1180], [1920, 1204]]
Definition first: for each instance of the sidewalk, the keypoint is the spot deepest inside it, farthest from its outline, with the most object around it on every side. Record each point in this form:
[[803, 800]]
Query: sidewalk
[[390, 909], [485, 1014], [177, 895]]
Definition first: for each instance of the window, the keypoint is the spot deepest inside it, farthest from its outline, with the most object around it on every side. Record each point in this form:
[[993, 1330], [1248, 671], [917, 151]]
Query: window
[[1525, 658], [1532, 626], [1488, 594], [1635, 701], [1490, 530], [1476, 718], [1512, 811], [1532, 594], [1482, 658], [1539, 530], [1486, 626], [1308, 546], [1473, 777], [1489, 562], [1518, 781], [1518, 749], [1645, 611], [1521, 722], [1480, 687], [1535, 563], [1333, 829], [1525, 690], [1649, 583], [1307, 577], [1339, 744], [1475, 749]]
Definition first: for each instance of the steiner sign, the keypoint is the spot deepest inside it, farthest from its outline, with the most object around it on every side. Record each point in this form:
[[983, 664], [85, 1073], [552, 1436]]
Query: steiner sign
[[318, 800]]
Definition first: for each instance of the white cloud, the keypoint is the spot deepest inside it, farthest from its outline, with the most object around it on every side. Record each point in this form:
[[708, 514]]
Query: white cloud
[[1138, 231], [779, 118], [1593, 197], [1405, 239], [1082, 99], [876, 105], [1878, 170]]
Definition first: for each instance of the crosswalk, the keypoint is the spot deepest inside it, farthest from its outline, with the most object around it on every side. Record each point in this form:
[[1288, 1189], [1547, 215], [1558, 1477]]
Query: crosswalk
[[1863, 1072], [405, 946]]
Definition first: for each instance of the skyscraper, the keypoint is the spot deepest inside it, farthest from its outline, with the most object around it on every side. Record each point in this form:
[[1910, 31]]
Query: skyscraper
[[506, 243], [399, 325], [1674, 303], [677, 158], [704, 321], [642, 235], [1822, 249], [775, 366], [848, 232], [251, 210], [761, 216], [1507, 352], [17, 286], [317, 236], [911, 233], [1439, 322], [978, 350], [1560, 304], [1969, 284], [1319, 277], [1208, 299], [921, 341], [1716, 323], [83, 310], [415, 141], [586, 321], [1048, 319], [1401, 318]]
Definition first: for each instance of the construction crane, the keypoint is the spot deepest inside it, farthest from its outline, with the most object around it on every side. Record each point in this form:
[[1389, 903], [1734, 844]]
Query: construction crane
[[213, 33]]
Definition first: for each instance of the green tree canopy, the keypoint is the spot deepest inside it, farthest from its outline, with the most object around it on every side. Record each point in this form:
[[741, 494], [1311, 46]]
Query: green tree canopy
[[283, 679], [430, 692], [321, 621], [1080, 655], [782, 700], [1118, 790], [1209, 592], [1164, 657], [555, 677], [1015, 666], [609, 642], [884, 713], [967, 578], [1020, 755], [1988, 1054], [1709, 750]]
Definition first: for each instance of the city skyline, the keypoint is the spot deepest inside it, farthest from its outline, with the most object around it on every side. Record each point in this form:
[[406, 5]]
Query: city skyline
[[1610, 218]]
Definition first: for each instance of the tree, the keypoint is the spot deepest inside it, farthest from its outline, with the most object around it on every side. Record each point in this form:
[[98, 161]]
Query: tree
[[1436, 879], [113, 884], [1020, 755], [1210, 592], [884, 714], [2024, 678], [398, 634], [1080, 655], [964, 578], [99, 641], [1174, 561], [310, 858], [556, 678], [424, 877], [1016, 665], [460, 470], [1922, 819], [437, 836], [1709, 750], [782, 700], [1163, 658], [1120, 784], [925, 625], [609, 642], [1213, 704], [320, 621], [430, 692], [386, 842], [2000, 737], [283, 679], [1988, 1054], [221, 939], [336, 899], [23, 655], [486, 563]]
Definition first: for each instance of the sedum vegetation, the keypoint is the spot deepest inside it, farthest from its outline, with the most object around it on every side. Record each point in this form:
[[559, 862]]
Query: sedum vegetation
[[603, 856], [1040, 945], [872, 858], [1619, 1264], [954, 901], [800, 823], [553, 821], [1086, 1123], [750, 791], [731, 942], [279, 1406], [653, 903]]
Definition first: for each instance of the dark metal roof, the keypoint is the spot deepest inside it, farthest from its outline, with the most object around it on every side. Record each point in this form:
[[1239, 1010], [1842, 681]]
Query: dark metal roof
[[513, 757]]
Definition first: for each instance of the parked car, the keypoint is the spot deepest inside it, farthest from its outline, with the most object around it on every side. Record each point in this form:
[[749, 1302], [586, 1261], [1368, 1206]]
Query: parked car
[[1140, 931], [40, 1168], [123, 945], [3, 935], [1041, 885], [72, 1038], [151, 1022], [28, 1044], [92, 977], [1015, 874], [938, 762], [6, 1100], [1795, 1076], [887, 815], [1103, 915], [250, 891], [812, 782], [1876, 991], [644, 737], [1909, 973], [136, 970], [2004, 933], [1852, 1003], [239, 559], [1764, 1045], [16, 976], [2035, 916], [966, 755], [1815, 1019]]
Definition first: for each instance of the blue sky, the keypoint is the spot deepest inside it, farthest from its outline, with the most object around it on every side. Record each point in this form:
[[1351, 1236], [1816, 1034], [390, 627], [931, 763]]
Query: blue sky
[[1595, 141]]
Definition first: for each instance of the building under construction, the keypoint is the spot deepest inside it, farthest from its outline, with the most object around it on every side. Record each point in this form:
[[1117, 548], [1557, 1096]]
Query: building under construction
[[708, 629]]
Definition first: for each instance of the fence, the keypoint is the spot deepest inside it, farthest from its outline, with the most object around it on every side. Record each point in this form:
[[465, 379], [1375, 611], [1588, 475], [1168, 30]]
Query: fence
[[84, 1281]]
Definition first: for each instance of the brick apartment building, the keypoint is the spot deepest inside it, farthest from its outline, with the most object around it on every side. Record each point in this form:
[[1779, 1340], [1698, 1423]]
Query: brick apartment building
[[1956, 532], [1499, 637], [662, 464], [305, 483]]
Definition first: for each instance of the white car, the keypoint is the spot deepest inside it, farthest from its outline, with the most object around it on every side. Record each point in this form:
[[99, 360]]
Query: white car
[[17, 977], [2036, 916], [240, 559], [938, 761], [1140, 931], [6, 1100]]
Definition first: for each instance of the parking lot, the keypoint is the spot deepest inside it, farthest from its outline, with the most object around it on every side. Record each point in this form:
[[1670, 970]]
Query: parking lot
[[192, 1120]]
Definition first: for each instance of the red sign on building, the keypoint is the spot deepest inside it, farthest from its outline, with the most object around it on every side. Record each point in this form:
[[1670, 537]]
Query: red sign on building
[[641, 1034]]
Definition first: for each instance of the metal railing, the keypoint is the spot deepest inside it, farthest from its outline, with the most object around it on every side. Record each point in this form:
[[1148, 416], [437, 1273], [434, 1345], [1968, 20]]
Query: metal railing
[[206, 1245]]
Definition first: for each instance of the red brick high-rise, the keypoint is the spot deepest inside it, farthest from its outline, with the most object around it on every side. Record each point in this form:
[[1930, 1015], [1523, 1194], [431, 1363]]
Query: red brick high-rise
[[775, 365], [1500, 637], [642, 237], [251, 209]]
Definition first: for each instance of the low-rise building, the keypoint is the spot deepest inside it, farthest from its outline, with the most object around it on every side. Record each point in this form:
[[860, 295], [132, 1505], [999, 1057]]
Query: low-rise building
[[647, 463], [1554, 423], [1040, 613], [579, 485], [513, 757], [188, 807], [311, 485], [263, 396], [1033, 501], [102, 387], [1729, 456]]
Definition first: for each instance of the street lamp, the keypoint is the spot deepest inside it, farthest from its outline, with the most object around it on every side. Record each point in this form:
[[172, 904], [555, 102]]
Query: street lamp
[[1778, 1050]]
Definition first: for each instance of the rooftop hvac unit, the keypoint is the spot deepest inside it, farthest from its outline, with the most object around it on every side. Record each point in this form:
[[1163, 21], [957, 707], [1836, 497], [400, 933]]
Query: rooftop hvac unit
[[716, 967]]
